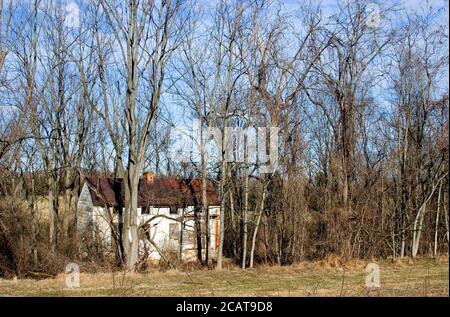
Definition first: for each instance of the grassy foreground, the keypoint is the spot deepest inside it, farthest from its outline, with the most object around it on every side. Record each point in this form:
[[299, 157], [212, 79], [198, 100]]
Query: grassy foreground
[[331, 277]]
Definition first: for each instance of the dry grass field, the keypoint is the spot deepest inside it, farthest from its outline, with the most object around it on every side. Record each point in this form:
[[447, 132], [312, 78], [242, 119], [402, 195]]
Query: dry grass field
[[331, 277]]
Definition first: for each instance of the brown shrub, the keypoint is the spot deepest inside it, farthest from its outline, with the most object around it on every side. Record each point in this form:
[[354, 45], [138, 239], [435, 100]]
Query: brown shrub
[[15, 239]]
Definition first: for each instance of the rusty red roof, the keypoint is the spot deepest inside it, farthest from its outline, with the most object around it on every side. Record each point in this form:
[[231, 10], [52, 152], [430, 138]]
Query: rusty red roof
[[165, 191]]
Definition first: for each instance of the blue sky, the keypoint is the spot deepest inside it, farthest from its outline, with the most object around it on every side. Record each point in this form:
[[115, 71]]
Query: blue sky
[[179, 114]]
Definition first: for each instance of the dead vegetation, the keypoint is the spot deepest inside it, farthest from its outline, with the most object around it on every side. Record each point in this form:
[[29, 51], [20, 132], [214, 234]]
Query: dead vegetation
[[330, 277], [361, 167]]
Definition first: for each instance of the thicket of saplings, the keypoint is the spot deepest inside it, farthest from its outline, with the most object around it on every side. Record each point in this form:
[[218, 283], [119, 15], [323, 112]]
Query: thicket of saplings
[[298, 223], [360, 101]]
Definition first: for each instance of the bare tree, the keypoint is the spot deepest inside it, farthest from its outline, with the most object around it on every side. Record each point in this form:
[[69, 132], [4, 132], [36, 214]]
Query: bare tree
[[145, 44]]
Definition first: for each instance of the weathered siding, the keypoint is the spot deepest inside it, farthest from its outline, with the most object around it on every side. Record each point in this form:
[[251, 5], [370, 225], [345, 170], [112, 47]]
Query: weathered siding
[[84, 210], [165, 232], [102, 221]]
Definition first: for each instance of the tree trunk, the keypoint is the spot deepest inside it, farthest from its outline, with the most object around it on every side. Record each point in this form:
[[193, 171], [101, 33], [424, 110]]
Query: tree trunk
[[437, 222], [205, 209], [244, 216], [405, 192], [233, 221], [52, 212], [446, 219], [182, 226], [418, 221], [223, 172], [198, 232], [255, 232], [130, 235]]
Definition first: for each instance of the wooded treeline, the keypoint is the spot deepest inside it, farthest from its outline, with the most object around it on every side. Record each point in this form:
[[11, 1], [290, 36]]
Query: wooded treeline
[[360, 99]]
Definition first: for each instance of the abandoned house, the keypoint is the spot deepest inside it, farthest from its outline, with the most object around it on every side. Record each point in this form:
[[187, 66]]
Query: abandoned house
[[168, 210]]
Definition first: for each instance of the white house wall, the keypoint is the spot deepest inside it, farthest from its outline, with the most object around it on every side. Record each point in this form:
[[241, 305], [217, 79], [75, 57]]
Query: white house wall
[[160, 230], [159, 227], [84, 209], [102, 220]]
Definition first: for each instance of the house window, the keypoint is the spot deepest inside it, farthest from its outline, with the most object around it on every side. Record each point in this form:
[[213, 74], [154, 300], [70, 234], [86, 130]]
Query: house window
[[173, 210], [189, 237], [145, 210], [174, 231]]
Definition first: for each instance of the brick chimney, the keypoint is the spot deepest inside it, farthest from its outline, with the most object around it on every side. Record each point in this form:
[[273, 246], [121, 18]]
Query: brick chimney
[[149, 177]]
